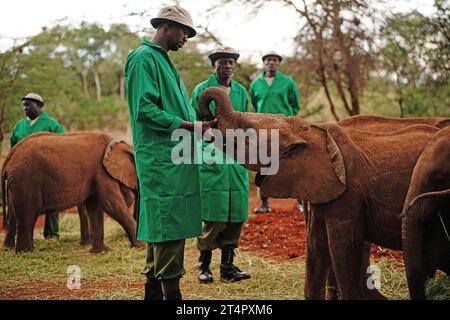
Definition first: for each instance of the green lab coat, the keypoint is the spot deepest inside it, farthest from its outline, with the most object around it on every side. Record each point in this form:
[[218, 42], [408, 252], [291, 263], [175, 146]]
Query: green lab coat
[[44, 123], [280, 97], [158, 103], [224, 187]]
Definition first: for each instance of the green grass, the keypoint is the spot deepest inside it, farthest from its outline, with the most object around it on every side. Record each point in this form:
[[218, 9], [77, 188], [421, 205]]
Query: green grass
[[42, 274]]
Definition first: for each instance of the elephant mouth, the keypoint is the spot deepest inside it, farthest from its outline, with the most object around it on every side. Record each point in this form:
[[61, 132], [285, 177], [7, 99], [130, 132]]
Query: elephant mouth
[[259, 179]]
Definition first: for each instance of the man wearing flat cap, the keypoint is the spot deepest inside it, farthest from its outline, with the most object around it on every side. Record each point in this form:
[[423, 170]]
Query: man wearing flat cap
[[224, 187], [37, 121], [273, 92], [169, 205]]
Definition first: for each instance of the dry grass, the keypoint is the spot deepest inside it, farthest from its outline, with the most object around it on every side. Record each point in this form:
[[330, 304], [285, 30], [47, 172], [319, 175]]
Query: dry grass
[[42, 274]]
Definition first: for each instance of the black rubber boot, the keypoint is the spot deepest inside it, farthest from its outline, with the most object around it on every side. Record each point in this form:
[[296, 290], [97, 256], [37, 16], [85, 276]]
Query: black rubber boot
[[204, 270], [153, 289], [228, 271], [171, 289]]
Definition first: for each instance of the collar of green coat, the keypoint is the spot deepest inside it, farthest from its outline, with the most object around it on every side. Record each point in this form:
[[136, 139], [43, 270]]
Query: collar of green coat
[[213, 82], [278, 74], [42, 116], [151, 44]]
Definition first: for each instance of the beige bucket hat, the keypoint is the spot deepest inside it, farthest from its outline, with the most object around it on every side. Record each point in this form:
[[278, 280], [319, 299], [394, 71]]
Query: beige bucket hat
[[175, 14], [34, 97], [272, 54], [224, 52]]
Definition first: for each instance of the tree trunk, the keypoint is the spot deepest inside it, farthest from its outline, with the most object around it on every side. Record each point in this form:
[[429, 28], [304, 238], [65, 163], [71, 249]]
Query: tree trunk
[[85, 86], [98, 86]]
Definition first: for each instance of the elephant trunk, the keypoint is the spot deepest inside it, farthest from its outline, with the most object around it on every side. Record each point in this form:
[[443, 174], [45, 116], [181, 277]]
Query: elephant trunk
[[416, 214], [412, 241], [223, 104], [239, 145]]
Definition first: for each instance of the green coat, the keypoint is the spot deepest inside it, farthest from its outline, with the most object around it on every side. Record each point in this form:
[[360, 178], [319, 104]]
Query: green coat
[[44, 123], [224, 187], [281, 97], [158, 103]]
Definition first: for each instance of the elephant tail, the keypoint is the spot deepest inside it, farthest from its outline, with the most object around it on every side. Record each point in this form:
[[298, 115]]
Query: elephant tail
[[4, 199]]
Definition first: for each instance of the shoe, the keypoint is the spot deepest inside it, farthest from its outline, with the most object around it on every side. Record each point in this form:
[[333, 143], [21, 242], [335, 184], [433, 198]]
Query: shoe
[[153, 289], [262, 210], [204, 270], [228, 271]]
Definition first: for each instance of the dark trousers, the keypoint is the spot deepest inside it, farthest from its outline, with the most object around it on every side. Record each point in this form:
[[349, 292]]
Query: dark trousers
[[51, 226], [165, 260], [219, 235]]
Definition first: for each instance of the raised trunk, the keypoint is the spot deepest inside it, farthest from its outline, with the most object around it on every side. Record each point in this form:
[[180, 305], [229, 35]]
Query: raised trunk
[[242, 145]]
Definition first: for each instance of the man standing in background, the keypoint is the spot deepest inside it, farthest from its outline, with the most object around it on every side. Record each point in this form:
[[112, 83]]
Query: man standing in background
[[224, 187], [274, 92], [37, 121]]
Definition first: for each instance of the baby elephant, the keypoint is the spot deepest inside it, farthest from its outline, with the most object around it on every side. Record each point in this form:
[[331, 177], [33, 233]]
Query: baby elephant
[[426, 215], [49, 173]]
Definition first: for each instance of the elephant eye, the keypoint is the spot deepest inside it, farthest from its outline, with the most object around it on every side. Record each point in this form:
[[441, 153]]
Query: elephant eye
[[438, 181]]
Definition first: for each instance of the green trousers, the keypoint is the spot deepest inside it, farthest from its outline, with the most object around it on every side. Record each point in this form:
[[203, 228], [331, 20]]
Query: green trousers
[[219, 234], [165, 260], [51, 226]]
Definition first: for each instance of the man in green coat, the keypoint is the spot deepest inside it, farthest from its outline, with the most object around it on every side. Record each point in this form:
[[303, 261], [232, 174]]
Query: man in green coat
[[273, 92], [224, 187], [37, 121], [169, 205]]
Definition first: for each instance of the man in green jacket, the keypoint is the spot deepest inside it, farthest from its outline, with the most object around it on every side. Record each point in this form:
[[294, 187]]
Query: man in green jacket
[[224, 187], [274, 92], [37, 121], [169, 205]]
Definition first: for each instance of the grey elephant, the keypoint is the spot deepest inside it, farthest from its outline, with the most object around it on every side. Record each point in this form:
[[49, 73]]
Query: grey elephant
[[49, 173]]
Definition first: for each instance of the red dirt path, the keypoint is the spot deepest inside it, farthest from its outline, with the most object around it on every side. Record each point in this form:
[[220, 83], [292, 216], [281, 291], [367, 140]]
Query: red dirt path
[[280, 235]]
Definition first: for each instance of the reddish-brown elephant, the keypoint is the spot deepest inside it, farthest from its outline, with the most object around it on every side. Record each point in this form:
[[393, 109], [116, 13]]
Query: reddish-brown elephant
[[48, 173], [426, 215], [356, 181]]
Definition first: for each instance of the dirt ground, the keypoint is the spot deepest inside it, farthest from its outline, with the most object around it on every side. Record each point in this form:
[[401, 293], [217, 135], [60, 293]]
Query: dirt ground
[[281, 234]]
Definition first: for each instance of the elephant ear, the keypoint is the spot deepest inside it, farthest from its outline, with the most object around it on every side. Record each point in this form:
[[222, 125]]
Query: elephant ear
[[118, 161], [312, 171]]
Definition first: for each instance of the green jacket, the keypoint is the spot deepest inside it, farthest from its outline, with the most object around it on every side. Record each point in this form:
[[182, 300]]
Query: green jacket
[[158, 103], [224, 187], [44, 123], [281, 97]]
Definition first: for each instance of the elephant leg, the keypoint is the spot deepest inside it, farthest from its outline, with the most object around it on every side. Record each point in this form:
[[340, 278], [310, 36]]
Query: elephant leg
[[84, 226], [117, 208], [25, 230], [332, 292], [317, 259], [345, 242], [96, 228]]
